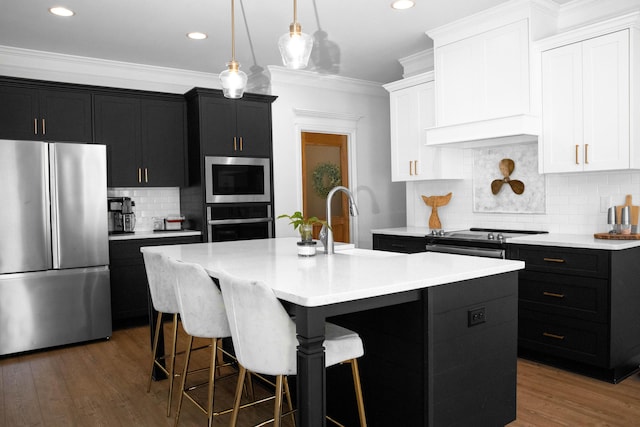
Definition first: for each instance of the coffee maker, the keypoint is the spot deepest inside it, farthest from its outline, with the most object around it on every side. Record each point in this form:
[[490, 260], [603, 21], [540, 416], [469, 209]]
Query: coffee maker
[[122, 219]]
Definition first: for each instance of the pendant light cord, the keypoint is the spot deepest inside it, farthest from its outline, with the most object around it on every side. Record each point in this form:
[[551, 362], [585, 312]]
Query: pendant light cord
[[295, 11], [233, 32]]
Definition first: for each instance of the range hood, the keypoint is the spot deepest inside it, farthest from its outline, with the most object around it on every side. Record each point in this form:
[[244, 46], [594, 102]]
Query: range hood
[[515, 129]]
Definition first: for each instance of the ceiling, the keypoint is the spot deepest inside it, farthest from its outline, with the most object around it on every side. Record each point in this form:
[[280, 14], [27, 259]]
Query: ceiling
[[369, 35]]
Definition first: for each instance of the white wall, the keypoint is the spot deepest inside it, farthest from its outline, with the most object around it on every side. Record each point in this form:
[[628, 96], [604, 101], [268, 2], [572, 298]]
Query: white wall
[[574, 202], [307, 101]]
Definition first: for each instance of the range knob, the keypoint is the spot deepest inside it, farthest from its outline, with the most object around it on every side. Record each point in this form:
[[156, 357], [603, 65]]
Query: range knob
[[490, 236], [500, 237], [441, 233], [434, 232]]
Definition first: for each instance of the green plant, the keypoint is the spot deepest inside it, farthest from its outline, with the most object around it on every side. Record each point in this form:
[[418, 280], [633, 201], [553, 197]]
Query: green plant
[[304, 225], [297, 220]]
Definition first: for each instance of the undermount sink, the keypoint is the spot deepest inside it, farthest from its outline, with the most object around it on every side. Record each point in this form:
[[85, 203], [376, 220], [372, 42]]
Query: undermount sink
[[365, 253]]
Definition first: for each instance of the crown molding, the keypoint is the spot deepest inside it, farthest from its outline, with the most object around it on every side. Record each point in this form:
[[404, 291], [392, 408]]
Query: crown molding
[[286, 77], [41, 65]]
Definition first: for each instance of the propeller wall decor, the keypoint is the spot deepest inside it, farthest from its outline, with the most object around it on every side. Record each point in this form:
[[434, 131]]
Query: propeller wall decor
[[506, 167]]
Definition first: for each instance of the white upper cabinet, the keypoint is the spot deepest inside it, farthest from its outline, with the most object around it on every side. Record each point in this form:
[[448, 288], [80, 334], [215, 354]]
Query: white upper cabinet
[[412, 111], [589, 94], [483, 77], [482, 66]]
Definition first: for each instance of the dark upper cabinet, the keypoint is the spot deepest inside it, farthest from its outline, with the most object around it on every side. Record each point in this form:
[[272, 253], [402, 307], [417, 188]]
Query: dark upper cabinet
[[231, 127], [145, 139], [33, 112]]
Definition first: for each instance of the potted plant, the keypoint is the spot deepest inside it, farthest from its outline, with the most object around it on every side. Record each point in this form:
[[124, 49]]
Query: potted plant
[[306, 245]]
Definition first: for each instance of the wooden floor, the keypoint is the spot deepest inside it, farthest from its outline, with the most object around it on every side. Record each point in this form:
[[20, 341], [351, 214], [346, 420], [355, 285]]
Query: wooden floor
[[104, 384]]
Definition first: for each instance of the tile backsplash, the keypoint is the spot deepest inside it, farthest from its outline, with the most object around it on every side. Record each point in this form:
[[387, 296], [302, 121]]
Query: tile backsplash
[[150, 203], [575, 202]]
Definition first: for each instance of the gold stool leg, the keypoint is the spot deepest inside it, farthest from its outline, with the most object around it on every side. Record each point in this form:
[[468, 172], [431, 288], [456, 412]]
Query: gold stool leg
[[287, 395], [358, 387], [154, 349], [277, 410], [172, 365], [236, 402], [212, 378], [184, 378]]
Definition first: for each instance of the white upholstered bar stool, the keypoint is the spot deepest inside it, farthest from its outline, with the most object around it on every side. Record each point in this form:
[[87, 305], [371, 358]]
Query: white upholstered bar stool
[[162, 289], [264, 339], [203, 315]]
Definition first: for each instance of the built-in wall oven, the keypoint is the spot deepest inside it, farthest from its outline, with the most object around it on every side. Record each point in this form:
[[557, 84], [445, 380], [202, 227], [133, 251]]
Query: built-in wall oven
[[227, 222], [485, 242], [237, 179]]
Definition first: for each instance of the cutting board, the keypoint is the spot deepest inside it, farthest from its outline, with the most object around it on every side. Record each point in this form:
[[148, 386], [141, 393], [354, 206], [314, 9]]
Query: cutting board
[[608, 236]]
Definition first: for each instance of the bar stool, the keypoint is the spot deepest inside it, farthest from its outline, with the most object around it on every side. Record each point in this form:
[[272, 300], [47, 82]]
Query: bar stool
[[203, 316], [161, 286], [264, 339]]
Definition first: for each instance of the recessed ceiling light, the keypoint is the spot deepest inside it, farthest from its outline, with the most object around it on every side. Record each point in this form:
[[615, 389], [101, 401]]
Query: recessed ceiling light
[[197, 35], [61, 11], [403, 4]]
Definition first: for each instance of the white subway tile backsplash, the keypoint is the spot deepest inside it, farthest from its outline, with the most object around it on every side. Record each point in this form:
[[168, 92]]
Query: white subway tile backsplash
[[573, 203], [150, 203]]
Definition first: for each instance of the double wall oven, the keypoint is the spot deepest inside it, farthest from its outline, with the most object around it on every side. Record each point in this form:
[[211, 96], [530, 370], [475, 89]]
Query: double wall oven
[[238, 198], [485, 242]]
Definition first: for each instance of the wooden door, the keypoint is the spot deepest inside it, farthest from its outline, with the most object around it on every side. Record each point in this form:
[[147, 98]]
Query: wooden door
[[324, 166]]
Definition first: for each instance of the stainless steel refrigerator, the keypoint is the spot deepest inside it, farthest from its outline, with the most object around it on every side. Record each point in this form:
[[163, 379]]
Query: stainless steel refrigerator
[[54, 255]]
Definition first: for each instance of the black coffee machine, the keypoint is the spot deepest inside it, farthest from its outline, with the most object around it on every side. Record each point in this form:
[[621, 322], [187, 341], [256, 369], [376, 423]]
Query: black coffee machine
[[122, 219]]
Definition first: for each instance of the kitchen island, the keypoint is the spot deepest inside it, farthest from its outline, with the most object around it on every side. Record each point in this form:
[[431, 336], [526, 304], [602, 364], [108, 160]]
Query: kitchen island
[[462, 312]]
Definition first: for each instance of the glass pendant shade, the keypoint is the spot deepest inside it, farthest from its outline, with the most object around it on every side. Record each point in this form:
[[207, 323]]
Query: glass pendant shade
[[233, 81], [295, 47]]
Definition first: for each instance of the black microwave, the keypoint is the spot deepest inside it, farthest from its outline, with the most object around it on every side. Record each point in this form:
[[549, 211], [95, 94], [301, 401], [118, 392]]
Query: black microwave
[[237, 179]]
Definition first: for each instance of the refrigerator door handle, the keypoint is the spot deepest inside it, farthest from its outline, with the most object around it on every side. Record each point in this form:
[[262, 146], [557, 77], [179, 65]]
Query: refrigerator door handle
[[55, 208]]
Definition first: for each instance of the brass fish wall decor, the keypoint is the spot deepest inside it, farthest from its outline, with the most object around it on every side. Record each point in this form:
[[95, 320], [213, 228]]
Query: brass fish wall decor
[[506, 167]]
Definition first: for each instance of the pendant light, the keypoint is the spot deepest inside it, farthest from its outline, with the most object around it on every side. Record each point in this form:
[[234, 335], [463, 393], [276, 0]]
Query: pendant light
[[233, 80], [295, 46]]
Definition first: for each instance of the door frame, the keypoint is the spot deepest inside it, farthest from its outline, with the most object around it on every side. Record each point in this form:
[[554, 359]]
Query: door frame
[[329, 123]]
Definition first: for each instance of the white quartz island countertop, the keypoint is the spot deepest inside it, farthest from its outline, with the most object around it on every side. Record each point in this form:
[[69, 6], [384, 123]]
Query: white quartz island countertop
[[350, 274]]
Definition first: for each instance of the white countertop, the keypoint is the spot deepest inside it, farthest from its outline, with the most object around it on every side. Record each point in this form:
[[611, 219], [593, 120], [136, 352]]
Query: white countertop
[[150, 234], [403, 231], [350, 274], [586, 241]]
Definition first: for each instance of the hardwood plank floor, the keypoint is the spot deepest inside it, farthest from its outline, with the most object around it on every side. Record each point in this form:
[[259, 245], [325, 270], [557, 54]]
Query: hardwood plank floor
[[103, 383]]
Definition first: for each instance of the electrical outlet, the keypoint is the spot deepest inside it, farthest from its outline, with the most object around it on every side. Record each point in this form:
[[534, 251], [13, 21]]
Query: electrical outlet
[[476, 316]]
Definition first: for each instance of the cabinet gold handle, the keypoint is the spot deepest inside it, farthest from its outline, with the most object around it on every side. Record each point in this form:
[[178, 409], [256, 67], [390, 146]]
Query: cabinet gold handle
[[410, 168], [35, 126], [235, 144], [240, 143], [146, 175], [44, 127], [586, 154], [558, 260], [139, 175], [415, 167], [577, 163], [558, 337], [552, 294]]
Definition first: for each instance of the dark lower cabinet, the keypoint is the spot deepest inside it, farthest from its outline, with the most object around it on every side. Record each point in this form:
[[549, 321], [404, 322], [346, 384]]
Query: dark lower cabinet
[[44, 111], [404, 244], [426, 364], [129, 287], [579, 309]]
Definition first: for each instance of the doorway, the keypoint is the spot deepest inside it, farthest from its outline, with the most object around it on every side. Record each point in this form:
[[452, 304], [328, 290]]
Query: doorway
[[325, 164]]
